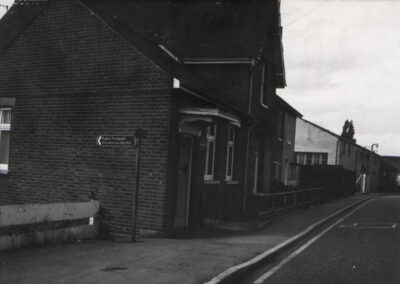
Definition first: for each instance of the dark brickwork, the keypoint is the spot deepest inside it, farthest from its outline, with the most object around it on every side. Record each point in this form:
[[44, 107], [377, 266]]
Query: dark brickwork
[[75, 79]]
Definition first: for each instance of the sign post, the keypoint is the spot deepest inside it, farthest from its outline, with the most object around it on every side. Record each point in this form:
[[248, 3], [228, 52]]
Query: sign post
[[123, 141], [139, 135]]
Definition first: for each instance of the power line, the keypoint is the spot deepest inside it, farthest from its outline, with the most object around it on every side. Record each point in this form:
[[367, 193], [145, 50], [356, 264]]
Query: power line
[[306, 14]]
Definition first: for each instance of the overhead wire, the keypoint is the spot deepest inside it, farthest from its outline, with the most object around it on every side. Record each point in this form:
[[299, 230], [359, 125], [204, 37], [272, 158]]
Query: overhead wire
[[306, 14]]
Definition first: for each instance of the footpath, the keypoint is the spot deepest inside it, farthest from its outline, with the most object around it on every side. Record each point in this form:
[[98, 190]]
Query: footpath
[[194, 260]]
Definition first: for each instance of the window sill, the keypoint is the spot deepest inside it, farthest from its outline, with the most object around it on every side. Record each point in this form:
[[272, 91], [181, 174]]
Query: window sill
[[289, 143], [280, 139], [212, 182], [232, 182], [4, 172]]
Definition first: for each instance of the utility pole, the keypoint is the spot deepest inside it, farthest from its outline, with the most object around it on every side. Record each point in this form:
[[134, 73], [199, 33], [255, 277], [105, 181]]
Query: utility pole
[[371, 162]]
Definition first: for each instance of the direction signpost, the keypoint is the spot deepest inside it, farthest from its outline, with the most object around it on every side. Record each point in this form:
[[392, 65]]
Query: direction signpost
[[115, 140], [124, 141], [139, 135]]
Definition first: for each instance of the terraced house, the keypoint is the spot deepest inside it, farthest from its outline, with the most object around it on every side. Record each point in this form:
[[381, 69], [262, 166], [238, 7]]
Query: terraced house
[[199, 76]]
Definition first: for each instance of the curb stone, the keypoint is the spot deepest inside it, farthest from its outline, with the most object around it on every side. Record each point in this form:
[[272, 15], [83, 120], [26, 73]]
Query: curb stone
[[233, 273]]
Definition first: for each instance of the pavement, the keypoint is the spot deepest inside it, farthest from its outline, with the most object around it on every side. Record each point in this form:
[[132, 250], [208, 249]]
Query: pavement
[[364, 248], [191, 260]]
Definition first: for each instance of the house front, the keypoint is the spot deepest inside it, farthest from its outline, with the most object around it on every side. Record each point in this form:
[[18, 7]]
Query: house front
[[200, 77]]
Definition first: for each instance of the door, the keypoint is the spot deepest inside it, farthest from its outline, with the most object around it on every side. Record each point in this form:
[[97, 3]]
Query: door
[[184, 180]]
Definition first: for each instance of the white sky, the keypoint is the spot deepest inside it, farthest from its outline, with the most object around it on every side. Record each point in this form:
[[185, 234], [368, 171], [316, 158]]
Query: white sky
[[343, 62], [3, 9]]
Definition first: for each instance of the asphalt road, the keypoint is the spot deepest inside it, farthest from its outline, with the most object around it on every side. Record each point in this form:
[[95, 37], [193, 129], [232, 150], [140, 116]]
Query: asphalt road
[[363, 248]]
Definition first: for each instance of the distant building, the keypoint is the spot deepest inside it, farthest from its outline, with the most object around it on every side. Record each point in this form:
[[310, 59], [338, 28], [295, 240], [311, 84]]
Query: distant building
[[316, 145]]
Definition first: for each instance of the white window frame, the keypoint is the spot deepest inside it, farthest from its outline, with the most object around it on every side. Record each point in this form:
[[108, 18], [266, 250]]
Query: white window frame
[[231, 158], [4, 127], [211, 139]]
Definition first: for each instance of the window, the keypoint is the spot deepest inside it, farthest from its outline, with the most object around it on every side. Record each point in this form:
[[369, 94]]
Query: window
[[301, 158], [5, 125], [276, 171], [324, 159], [281, 125], [309, 159], [210, 154], [230, 153], [288, 130]]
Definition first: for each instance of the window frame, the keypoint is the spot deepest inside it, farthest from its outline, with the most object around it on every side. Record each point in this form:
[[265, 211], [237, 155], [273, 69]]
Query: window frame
[[211, 139], [281, 126], [230, 156], [3, 128]]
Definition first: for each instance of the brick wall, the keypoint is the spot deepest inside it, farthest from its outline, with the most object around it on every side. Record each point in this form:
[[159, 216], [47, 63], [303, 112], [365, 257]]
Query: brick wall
[[74, 79]]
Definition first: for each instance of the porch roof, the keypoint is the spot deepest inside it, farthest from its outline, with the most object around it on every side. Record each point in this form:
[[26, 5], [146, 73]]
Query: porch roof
[[212, 112]]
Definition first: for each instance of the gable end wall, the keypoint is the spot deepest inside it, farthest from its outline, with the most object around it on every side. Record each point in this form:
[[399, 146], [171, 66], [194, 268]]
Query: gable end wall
[[73, 80]]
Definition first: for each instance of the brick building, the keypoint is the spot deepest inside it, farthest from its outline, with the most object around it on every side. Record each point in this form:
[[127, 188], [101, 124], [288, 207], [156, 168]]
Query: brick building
[[284, 166], [199, 76]]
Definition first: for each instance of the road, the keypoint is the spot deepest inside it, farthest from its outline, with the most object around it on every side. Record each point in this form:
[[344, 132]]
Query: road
[[362, 248]]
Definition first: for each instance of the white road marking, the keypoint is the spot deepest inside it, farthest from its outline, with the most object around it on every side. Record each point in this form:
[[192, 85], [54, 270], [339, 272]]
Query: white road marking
[[264, 277], [369, 226]]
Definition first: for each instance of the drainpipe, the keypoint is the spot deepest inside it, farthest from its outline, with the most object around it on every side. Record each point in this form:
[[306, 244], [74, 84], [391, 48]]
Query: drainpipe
[[262, 87], [248, 141]]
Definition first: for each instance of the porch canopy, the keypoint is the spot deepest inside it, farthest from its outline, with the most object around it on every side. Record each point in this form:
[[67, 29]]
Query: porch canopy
[[192, 119]]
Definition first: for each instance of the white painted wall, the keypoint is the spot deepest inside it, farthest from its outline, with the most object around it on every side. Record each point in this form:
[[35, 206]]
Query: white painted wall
[[30, 214], [310, 138]]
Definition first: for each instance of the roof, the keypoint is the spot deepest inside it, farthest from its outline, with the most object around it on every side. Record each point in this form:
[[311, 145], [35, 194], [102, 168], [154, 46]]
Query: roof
[[205, 29], [15, 21], [157, 54], [169, 31], [201, 28], [287, 107], [19, 16]]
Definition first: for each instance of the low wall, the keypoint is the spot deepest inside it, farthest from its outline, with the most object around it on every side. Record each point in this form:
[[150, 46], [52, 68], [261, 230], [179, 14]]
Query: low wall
[[23, 225]]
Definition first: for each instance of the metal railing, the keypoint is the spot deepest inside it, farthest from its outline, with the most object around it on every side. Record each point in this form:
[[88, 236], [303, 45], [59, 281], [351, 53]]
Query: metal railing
[[269, 203]]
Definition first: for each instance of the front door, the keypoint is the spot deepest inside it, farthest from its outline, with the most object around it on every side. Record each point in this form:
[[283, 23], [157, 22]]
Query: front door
[[184, 180]]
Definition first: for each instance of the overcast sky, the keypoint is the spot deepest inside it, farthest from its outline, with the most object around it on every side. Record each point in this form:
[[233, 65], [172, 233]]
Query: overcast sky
[[343, 62], [3, 9]]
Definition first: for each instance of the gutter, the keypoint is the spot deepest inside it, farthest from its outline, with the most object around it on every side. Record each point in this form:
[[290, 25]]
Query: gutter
[[218, 61], [337, 150], [262, 87], [246, 167]]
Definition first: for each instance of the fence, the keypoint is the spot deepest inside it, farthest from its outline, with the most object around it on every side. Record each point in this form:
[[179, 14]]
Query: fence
[[337, 181], [267, 204]]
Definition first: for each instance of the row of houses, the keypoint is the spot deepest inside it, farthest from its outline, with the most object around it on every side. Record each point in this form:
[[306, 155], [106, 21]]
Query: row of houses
[[199, 76], [318, 146]]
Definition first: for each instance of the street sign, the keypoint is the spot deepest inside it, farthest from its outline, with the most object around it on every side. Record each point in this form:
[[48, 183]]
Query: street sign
[[115, 140]]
